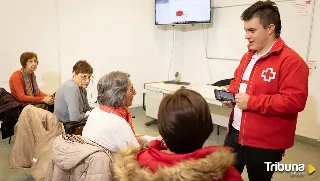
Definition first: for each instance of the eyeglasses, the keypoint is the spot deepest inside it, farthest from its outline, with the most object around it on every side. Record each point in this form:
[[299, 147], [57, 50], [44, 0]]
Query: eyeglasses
[[85, 77], [132, 90], [33, 61]]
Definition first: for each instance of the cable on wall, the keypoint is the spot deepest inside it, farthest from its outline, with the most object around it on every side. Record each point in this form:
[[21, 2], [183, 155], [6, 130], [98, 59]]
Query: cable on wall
[[173, 48], [205, 43], [59, 41]]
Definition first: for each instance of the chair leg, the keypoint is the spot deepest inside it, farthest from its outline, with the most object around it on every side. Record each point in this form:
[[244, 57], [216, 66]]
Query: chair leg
[[9, 140], [154, 121], [218, 131]]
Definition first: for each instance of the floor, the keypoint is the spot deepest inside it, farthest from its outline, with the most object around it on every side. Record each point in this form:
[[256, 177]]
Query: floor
[[299, 154]]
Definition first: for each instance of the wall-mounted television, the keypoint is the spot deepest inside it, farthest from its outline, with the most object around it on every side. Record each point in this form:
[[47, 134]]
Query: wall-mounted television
[[172, 12]]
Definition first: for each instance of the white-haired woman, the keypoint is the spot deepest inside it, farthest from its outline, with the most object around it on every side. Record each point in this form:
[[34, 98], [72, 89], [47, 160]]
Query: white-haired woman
[[110, 124]]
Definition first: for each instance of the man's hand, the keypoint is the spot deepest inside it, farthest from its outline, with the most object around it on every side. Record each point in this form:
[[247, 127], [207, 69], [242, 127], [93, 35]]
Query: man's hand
[[226, 103], [242, 100]]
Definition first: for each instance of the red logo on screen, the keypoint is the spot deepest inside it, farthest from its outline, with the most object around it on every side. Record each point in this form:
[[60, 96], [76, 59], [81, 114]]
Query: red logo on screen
[[179, 13]]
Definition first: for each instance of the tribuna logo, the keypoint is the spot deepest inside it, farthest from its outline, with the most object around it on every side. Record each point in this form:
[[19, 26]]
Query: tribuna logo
[[293, 169]]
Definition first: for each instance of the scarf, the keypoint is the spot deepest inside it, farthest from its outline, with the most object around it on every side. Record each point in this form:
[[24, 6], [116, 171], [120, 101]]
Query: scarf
[[121, 112], [31, 86]]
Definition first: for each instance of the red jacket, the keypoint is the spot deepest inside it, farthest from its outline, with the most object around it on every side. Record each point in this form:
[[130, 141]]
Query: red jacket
[[278, 90], [154, 157], [18, 89]]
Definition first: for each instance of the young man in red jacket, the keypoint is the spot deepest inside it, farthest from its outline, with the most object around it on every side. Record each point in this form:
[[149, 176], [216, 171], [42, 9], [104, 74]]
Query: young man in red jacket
[[271, 88]]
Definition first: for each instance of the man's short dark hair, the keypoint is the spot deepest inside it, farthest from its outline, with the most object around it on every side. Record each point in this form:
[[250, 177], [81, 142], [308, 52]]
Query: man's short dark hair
[[184, 121], [267, 12], [83, 67]]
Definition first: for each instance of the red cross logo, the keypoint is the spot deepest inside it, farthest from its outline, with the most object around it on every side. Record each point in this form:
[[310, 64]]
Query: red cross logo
[[268, 74]]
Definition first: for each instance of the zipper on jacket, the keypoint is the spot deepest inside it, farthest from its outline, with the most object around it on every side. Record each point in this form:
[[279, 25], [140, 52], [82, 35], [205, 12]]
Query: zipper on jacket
[[243, 70], [250, 84]]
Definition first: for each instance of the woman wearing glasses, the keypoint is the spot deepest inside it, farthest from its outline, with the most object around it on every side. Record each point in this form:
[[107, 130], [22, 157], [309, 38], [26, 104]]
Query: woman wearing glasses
[[23, 83], [71, 102], [110, 124]]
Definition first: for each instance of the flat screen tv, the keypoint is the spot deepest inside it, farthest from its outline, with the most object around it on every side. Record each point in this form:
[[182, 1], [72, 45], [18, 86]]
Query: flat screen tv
[[172, 12]]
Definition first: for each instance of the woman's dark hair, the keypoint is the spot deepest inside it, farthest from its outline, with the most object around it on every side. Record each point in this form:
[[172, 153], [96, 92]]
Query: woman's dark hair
[[24, 57], [267, 12], [184, 121]]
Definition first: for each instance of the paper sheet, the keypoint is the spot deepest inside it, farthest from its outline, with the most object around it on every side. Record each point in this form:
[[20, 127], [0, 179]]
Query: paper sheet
[[302, 7]]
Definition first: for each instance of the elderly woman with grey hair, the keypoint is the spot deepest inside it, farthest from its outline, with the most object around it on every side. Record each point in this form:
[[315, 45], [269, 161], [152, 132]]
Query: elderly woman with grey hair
[[110, 124]]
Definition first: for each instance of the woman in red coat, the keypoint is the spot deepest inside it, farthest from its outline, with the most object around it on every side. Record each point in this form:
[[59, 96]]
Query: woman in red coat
[[24, 86], [185, 123]]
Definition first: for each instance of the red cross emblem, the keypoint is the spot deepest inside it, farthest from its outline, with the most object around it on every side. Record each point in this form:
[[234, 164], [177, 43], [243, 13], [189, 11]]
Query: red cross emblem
[[268, 74]]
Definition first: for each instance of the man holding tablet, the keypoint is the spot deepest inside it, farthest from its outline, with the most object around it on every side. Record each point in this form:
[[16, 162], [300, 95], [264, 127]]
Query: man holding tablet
[[270, 88]]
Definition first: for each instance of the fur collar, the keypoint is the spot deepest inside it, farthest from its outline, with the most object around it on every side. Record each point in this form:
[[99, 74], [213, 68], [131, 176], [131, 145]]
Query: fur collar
[[212, 167]]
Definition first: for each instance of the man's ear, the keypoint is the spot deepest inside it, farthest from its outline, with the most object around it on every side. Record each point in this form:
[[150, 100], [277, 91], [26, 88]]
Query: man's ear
[[73, 74], [271, 29]]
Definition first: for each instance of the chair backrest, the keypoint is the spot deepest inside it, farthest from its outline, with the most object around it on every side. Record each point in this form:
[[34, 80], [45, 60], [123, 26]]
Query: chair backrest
[[223, 82], [74, 127]]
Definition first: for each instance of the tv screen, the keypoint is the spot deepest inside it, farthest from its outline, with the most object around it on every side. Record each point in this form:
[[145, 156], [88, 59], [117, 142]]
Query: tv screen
[[171, 12]]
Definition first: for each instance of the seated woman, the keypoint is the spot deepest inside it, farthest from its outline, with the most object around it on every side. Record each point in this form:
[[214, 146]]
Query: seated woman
[[23, 83], [185, 123], [110, 124], [71, 102]]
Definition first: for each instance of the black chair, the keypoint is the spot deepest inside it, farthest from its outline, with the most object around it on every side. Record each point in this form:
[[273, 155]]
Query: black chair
[[74, 127], [223, 82], [9, 119]]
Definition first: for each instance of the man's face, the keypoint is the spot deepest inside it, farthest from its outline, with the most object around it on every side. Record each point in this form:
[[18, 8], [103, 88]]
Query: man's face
[[82, 80], [256, 34]]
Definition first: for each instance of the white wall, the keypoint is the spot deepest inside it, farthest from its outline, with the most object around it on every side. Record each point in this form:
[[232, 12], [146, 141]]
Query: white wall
[[309, 119], [121, 36], [114, 35], [110, 35], [195, 67], [30, 26]]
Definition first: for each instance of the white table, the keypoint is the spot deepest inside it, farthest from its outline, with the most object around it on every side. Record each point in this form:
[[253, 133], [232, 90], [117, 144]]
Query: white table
[[156, 91]]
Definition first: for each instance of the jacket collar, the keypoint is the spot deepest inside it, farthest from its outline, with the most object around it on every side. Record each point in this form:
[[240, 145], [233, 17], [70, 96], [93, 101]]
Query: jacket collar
[[277, 47], [212, 166], [170, 159]]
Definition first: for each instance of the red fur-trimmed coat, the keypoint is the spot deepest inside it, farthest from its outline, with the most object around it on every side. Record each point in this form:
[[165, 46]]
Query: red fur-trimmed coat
[[153, 164]]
